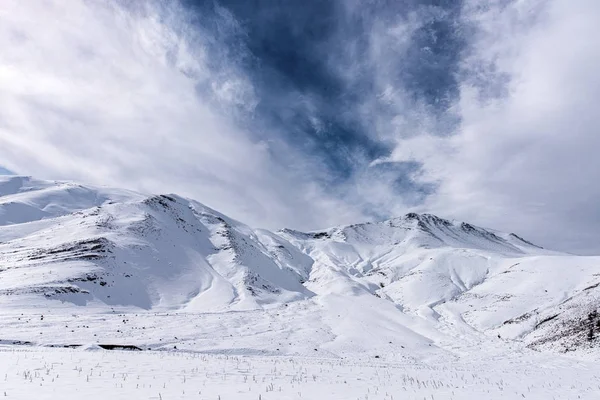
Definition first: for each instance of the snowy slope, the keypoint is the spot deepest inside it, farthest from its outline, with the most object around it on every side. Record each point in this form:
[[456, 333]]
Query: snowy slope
[[462, 278], [184, 275], [82, 244]]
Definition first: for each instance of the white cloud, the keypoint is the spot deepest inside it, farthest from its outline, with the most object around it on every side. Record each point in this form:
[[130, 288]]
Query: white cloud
[[134, 97], [525, 161]]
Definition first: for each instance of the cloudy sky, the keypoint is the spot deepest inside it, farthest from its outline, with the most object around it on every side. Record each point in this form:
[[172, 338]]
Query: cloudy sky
[[308, 114]]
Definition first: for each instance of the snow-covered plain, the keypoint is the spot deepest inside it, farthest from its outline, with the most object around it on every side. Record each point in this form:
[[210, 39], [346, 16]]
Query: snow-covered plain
[[44, 373], [413, 307]]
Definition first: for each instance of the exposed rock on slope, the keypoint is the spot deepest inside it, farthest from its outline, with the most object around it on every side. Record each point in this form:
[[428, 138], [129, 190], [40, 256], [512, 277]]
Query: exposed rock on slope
[[82, 245]]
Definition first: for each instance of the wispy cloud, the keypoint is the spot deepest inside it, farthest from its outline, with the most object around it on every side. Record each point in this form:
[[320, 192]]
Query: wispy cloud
[[314, 114], [523, 157], [142, 97]]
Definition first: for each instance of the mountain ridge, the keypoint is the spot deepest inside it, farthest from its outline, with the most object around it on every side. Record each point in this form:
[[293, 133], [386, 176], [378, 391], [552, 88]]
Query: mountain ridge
[[68, 245]]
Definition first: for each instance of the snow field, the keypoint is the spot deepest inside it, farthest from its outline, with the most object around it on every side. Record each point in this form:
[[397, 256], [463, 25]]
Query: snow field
[[416, 307], [44, 373]]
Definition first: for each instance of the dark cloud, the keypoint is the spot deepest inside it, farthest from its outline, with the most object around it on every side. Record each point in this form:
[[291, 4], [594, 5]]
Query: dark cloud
[[293, 52]]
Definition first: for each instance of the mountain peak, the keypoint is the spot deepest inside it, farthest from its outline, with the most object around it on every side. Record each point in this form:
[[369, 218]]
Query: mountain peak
[[415, 230], [69, 243]]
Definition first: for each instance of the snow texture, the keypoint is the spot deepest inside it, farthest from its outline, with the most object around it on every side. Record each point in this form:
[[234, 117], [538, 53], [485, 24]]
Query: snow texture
[[412, 307]]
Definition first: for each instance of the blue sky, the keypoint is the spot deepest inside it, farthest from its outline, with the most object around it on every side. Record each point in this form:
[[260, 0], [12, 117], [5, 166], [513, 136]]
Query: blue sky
[[294, 50], [308, 114]]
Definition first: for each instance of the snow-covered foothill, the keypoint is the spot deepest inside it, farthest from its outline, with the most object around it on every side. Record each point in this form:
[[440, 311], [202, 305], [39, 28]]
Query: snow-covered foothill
[[416, 303]]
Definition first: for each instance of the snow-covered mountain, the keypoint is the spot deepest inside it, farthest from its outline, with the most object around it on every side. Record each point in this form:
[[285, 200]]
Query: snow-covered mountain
[[417, 282], [82, 244]]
